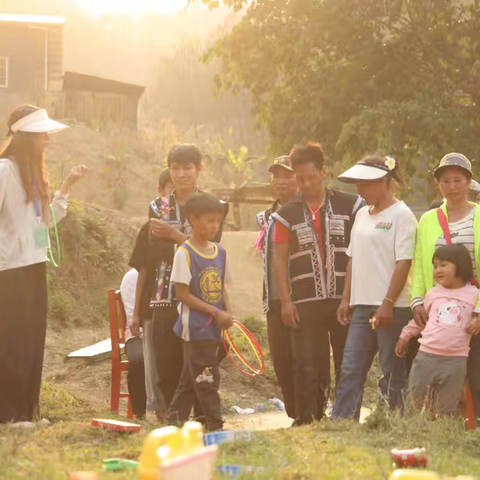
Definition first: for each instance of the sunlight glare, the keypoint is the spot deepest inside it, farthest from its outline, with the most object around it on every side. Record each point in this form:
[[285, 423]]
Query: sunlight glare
[[135, 7]]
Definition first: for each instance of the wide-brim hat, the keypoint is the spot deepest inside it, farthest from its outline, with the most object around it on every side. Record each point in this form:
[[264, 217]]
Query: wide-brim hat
[[37, 122], [453, 160], [281, 162], [365, 171]]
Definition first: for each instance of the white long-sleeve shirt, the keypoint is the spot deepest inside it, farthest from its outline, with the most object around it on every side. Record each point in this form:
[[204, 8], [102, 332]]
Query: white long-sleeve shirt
[[18, 220], [128, 292]]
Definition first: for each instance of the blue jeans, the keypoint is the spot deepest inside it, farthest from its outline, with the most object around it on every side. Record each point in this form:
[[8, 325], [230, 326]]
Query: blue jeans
[[362, 345]]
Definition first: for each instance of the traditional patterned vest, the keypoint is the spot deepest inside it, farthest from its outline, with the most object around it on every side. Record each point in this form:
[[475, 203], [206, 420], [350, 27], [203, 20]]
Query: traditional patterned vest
[[264, 243], [208, 280], [310, 278]]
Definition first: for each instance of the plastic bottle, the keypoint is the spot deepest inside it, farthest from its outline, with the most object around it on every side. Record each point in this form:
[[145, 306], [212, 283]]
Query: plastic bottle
[[192, 434], [243, 411], [278, 403], [158, 446]]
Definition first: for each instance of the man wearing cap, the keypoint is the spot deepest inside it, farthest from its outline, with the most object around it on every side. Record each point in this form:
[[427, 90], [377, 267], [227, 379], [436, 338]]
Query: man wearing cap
[[284, 188], [462, 219], [312, 233]]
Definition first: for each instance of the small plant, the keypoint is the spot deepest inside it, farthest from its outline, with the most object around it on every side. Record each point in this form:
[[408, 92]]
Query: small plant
[[114, 174]]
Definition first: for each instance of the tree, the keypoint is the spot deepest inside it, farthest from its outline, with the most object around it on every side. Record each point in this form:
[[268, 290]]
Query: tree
[[398, 76]]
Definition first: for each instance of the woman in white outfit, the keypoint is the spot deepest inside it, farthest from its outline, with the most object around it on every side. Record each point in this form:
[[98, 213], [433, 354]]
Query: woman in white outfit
[[25, 215]]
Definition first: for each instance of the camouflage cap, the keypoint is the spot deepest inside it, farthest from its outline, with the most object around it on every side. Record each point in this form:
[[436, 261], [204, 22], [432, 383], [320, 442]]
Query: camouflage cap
[[283, 162]]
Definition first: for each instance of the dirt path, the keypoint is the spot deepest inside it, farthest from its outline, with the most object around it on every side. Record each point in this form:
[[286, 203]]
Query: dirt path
[[247, 267], [270, 421]]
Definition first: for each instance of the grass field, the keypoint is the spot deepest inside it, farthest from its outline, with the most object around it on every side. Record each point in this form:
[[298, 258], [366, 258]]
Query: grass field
[[323, 451], [96, 244]]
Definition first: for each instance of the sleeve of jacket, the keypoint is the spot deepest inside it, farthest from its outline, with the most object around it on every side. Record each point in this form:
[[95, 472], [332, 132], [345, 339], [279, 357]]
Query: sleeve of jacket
[[260, 218], [418, 277]]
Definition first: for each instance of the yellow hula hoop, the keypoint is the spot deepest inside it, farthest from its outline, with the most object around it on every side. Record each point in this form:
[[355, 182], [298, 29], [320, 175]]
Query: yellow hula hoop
[[239, 355], [251, 343]]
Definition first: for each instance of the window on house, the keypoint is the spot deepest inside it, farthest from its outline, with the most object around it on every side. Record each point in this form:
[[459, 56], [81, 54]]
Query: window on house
[[4, 71]]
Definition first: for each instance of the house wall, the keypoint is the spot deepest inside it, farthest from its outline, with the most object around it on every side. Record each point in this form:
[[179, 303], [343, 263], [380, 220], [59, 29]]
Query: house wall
[[87, 106], [25, 48]]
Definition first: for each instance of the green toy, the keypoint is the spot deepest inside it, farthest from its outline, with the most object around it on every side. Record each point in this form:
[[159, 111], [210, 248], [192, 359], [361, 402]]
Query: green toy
[[116, 464]]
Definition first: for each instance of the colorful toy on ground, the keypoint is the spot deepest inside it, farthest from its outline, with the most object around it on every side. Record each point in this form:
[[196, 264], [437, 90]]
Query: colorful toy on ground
[[118, 464], [173, 454], [84, 476], [413, 458], [412, 474], [234, 471], [229, 436], [116, 425]]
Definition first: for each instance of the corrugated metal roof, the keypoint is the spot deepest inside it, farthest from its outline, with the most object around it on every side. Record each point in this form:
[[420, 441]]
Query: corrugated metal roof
[[23, 18], [80, 81]]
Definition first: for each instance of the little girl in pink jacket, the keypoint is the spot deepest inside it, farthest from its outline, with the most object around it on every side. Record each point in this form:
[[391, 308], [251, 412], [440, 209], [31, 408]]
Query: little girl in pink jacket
[[441, 364]]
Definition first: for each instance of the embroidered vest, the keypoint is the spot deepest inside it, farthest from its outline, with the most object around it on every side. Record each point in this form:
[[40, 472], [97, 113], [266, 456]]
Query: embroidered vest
[[266, 225], [312, 279]]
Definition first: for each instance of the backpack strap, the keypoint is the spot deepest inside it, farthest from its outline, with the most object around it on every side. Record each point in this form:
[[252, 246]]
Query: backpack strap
[[442, 219]]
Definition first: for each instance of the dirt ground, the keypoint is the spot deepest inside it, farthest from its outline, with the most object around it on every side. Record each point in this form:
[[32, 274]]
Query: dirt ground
[[92, 380], [247, 269]]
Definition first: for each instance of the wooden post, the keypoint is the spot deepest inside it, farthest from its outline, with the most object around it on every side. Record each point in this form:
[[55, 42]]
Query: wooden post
[[237, 218]]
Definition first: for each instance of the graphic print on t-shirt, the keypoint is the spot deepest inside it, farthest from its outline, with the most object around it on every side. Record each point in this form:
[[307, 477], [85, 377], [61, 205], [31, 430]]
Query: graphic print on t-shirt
[[211, 285], [384, 226], [449, 313]]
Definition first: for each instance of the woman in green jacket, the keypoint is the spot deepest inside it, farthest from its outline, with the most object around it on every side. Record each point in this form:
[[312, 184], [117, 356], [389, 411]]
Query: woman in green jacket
[[453, 177]]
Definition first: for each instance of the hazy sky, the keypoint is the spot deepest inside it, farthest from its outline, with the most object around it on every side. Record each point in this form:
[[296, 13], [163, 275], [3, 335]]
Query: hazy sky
[[123, 39], [99, 7]]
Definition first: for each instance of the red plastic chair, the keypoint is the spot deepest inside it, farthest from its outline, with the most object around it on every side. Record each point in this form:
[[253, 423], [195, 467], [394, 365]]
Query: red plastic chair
[[468, 409], [117, 334]]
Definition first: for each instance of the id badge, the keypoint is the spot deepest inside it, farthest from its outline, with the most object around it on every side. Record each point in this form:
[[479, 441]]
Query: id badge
[[42, 240]]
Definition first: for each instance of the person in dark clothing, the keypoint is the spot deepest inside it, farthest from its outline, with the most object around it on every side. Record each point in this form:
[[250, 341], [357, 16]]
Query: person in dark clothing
[[153, 257], [284, 188], [312, 233]]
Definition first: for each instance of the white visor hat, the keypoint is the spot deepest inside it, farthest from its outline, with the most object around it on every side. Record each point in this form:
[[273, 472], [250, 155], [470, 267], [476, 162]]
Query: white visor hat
[[38, 122], [364, 171]]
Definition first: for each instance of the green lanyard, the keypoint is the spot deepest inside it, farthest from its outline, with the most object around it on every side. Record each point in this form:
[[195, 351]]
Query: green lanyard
[[56, 264]]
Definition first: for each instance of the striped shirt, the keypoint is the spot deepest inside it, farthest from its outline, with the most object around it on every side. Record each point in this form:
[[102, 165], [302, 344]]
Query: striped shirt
[[462, 233]]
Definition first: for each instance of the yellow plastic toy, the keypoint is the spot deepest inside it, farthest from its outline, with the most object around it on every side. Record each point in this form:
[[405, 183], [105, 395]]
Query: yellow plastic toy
[[412, 474], [166, 444]]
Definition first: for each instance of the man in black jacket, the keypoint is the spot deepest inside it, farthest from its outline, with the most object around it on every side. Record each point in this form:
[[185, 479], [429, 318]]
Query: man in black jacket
[[312, 234], [284, 188]]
